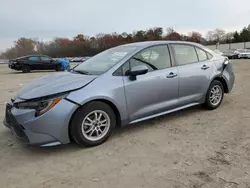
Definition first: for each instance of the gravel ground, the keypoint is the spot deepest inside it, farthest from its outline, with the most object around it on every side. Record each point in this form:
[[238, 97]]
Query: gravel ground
[[191, 148]]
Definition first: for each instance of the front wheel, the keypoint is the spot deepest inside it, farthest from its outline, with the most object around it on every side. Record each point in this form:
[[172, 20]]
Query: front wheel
[[25, 69], [93, 124], [214, 95]]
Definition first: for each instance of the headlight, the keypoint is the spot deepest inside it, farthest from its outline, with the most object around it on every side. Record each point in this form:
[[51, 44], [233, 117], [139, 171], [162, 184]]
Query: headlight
[[41, 106]]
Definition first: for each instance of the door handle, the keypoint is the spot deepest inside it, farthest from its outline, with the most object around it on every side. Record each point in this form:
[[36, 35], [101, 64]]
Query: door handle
[[204, 67], [171, 75]]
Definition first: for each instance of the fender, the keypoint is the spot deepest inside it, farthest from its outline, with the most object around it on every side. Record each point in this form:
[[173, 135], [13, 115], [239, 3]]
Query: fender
[[225, 75]]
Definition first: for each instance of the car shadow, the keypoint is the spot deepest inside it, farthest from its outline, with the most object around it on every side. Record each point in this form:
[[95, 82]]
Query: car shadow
[[158, 120], [118, 132]]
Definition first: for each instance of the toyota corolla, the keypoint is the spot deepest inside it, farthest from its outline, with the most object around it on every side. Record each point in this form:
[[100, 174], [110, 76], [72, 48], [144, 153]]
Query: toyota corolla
[[120, 86]]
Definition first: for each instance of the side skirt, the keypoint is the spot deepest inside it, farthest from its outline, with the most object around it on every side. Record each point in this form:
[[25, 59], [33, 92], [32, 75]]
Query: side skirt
[[163, 113]]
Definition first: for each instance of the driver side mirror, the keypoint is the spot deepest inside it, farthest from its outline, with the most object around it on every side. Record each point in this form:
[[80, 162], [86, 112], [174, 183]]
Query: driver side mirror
[[51, 61], [137, 70]]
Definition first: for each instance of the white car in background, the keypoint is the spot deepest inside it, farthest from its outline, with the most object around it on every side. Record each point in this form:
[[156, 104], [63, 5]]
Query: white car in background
[[244, 54]]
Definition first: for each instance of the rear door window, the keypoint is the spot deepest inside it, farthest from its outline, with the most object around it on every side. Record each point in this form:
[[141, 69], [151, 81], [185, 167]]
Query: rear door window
[[43, 58], [185, 54], [34, 58]]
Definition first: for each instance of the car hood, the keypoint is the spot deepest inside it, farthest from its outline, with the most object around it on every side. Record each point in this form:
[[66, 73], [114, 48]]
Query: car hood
[[53, 84]]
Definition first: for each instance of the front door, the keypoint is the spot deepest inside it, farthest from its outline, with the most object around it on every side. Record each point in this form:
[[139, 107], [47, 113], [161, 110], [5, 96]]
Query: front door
[[35, 63], [194, 73], [155, 91]]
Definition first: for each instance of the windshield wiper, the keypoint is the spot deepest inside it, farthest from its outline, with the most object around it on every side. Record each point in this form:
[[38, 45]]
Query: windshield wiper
[[149, 64], [138, 59], [82, 72]]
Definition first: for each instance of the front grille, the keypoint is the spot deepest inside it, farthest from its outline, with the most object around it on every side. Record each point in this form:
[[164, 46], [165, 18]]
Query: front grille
[[11, 121]]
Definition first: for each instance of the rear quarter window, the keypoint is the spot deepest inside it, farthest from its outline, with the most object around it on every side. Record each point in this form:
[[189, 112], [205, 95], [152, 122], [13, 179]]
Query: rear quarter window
[[209, 55], [209, 52], [202, 55]]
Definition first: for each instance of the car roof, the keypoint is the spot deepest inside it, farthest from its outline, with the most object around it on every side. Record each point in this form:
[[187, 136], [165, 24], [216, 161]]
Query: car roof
[[150, 43], [146, 44], [39, 55]]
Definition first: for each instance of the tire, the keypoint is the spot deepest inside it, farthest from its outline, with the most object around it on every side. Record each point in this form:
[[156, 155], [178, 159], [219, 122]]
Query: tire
[[25, 69], [82, 134], [58, 68], [213, 104]]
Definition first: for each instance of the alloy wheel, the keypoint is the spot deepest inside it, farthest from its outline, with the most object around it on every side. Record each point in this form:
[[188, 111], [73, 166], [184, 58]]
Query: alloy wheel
[[95, 125], [215, 95]]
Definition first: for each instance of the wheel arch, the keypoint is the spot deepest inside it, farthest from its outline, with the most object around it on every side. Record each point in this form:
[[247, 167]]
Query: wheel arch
[[114, 108], [223, 81], [108, 102]]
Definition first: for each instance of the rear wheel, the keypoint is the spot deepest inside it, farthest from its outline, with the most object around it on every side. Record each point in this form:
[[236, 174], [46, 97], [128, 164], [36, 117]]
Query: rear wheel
[[93, 124], [214, 95], [25, 69], [58, 68]]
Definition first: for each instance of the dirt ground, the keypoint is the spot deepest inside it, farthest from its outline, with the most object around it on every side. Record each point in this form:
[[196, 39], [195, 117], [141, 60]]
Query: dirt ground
[[191, 148]]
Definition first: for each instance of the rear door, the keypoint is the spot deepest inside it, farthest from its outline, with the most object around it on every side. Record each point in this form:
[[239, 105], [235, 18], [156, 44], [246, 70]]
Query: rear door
[[194, 69], [48, 63], [155, 91]]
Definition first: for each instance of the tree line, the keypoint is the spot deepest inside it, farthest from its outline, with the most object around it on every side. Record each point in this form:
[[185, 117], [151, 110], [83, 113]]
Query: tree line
[[82, 45]]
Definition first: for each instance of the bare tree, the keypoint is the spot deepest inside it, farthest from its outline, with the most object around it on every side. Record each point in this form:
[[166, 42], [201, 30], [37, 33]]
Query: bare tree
[[210, 35], [219, 34], [170, 30], [229, 37], [195, 36]]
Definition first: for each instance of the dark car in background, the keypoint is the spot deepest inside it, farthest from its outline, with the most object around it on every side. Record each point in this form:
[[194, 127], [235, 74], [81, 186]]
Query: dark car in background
[[34, 62], [84, 59], [231, 54], [79, 59], [76, 59]]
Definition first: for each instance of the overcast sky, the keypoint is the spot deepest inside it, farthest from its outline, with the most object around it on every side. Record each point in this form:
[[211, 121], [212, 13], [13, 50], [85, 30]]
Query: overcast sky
[[46, 19]]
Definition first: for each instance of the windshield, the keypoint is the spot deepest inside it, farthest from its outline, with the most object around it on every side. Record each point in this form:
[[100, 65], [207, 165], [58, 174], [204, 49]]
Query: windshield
[[103, 61], [228, 51]]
